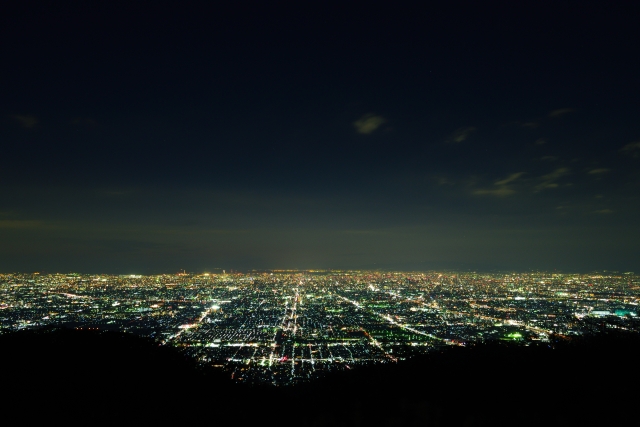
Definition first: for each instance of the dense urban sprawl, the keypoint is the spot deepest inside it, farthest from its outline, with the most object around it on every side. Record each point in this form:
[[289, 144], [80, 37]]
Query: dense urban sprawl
[[284, 327]]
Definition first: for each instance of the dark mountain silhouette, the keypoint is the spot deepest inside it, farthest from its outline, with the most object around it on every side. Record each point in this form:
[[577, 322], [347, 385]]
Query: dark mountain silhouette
[[93, 376]]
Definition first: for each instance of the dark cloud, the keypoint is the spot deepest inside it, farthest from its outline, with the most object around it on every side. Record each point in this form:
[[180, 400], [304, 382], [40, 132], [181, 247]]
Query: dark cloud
[[550, 180], [26, 121], [599, 171], [501, 188], [560, 112], [369, 123], [462, 134], [632, 149]]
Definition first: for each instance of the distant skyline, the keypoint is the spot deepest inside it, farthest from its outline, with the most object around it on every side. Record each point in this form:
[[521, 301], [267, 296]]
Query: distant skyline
[[218, 272], [148, 138]]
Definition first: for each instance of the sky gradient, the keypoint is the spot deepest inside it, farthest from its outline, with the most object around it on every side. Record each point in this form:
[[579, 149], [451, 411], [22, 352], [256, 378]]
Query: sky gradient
[[158, 137]]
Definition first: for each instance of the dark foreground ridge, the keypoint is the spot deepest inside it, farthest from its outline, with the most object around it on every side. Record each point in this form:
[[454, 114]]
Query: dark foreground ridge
[[87, 376]]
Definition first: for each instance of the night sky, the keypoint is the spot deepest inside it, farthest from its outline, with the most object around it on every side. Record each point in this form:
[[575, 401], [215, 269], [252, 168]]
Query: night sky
[[155, 137]]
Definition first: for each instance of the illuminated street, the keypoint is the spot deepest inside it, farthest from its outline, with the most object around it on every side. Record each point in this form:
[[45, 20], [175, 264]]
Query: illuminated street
[[288, 327]]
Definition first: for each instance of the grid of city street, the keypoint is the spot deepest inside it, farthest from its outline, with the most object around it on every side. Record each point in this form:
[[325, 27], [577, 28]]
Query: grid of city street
[[287, 327]]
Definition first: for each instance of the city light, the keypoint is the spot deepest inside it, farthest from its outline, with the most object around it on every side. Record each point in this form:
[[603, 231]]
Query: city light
[[290, 327]]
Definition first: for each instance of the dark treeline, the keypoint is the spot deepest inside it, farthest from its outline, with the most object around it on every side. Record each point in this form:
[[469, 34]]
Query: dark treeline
[[93, 376]]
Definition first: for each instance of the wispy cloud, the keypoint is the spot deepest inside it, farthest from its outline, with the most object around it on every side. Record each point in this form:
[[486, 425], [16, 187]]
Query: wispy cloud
[[549, 180], [26, 121], [462, 134], [530, 124], [560, 112], [598, 171], [603, 211], [441, 180], [540, 141], [633, 149], [509, 179], [497, 192], [15, 224], [501, 188], [369, 123]]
